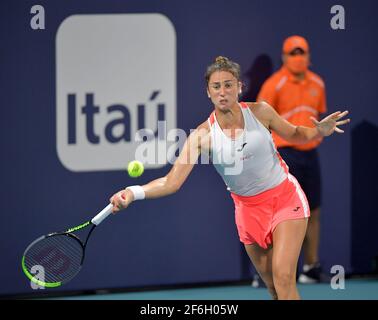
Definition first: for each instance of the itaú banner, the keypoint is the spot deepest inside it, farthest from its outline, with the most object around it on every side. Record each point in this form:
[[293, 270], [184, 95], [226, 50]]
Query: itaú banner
[[115, 78]]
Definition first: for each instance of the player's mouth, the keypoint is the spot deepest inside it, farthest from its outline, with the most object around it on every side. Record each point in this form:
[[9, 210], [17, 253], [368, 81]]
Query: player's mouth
[[223, 101]]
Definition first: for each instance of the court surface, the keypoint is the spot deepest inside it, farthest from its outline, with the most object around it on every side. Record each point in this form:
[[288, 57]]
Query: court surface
[[355, 289]]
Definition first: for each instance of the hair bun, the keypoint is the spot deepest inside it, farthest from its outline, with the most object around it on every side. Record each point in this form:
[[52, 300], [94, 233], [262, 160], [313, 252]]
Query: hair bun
[[221, 60]]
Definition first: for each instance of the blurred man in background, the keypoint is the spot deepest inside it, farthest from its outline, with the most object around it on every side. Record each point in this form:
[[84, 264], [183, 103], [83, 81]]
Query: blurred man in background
[[297, 94]]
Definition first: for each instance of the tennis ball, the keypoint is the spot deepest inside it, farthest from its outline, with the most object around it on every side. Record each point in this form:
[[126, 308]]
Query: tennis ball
[[135, 168]]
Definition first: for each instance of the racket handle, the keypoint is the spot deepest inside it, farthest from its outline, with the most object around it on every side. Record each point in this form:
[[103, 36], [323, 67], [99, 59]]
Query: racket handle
[[102, 215]]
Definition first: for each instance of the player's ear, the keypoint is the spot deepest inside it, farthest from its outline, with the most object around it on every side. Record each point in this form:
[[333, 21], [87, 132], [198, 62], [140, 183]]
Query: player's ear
[[208, 93], [309, 60], [283, 57], [240, 87]]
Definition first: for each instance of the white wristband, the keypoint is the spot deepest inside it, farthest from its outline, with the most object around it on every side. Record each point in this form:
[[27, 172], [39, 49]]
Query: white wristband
[[138, 192]]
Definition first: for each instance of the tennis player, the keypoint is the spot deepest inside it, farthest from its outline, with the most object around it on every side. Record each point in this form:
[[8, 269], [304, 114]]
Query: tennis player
[[271, 210]]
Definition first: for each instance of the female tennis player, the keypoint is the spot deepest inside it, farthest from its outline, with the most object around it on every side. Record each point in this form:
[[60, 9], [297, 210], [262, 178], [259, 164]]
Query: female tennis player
[[271, 210]]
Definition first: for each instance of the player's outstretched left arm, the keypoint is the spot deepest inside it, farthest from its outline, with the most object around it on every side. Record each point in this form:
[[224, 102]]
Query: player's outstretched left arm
[[301, 134]]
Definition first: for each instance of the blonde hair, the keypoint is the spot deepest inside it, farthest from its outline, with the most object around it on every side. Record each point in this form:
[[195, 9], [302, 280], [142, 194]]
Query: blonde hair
[[223, 64]]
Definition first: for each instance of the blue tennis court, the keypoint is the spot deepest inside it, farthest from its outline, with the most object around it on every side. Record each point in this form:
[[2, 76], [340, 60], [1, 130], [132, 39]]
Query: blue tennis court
[[355, 289]]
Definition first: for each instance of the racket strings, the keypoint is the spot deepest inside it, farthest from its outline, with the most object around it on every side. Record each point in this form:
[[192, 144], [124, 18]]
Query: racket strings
[[52, 260], [59, 255]]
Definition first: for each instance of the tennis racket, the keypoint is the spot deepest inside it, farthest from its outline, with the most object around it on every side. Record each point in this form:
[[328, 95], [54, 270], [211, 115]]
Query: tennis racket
[[60, 254]]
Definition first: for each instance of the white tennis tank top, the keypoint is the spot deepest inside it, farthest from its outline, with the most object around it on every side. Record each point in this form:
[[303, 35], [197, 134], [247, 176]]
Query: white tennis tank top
[[250, 163]]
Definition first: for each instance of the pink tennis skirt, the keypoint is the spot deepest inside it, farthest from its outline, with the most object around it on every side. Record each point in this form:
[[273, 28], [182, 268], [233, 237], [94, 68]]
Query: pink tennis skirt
[[257, 216]]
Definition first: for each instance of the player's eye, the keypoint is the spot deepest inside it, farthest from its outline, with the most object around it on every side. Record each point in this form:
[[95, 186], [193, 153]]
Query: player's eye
[[228, 85]]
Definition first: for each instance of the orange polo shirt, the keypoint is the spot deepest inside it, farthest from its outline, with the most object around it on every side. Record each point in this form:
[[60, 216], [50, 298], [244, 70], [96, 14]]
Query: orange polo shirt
[[296, 101]]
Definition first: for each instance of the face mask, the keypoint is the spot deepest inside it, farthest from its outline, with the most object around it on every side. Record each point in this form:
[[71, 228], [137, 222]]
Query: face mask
[[297, 64]]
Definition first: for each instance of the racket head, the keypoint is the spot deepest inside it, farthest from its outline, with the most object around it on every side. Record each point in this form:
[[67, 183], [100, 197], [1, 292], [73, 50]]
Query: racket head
[[61, 256]]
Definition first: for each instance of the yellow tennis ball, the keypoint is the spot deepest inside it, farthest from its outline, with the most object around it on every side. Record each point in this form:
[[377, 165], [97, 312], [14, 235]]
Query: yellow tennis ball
[[135, 168]]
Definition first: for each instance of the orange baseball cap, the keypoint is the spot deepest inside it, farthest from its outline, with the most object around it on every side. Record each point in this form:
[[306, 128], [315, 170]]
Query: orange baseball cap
[[294, 42]]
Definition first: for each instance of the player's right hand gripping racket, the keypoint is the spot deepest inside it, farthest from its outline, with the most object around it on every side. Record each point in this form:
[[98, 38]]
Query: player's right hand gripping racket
[[60, 254]]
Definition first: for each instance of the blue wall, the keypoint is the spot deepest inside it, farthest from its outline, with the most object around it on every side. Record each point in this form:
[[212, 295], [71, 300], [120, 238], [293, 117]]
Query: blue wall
[[188, 237]]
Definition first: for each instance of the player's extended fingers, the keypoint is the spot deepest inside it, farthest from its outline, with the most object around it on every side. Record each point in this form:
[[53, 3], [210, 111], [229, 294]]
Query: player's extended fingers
[[333, 115], [339, 123], [342, 114], [339, 130]]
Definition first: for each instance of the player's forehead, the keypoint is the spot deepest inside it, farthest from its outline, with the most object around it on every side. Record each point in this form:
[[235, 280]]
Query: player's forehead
[[221, 77]]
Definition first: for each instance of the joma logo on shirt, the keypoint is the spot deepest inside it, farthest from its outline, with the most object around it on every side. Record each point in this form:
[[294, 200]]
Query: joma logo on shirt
[[242, 147]]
